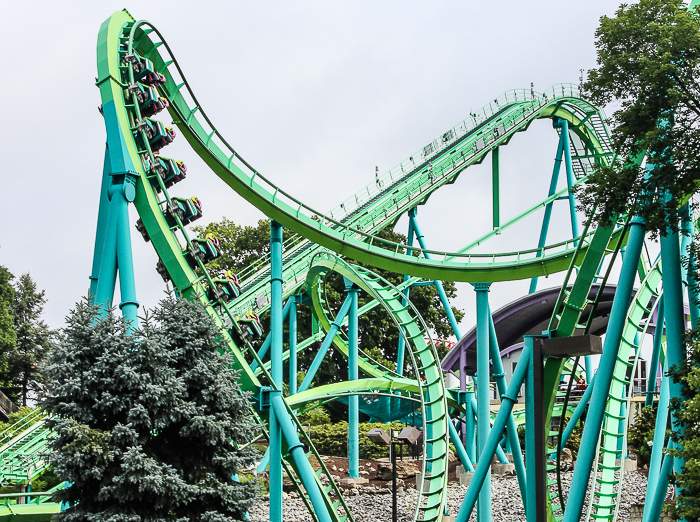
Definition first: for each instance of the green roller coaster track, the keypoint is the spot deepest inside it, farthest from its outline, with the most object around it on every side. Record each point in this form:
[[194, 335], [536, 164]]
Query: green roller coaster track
[[323, 243]]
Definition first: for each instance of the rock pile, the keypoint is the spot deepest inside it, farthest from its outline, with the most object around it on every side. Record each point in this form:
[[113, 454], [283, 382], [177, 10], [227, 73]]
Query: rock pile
[[372, 504]]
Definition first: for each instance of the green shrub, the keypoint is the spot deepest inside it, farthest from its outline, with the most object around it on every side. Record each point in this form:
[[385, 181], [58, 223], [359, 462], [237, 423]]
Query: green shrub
[[332, 439], [316, 417], [641, 433]]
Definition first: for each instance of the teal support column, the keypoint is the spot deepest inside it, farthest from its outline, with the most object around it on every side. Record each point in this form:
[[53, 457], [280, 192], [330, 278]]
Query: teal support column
[[102, 218], [530, 444], [674, 312], [578, 412], [470, 442], [511, 429], [438, 284], [459, 447], [613, 336], [655, 462], [116, 251], [483, 395], [332, 332], [293, 344], [657, 500], [570, 178], [268, 340], [654, 365], [296, 448], [401, 355], [690, 273], [484, 465], [122, 195], [353, 375], [496, 186], [277, 370], [548, 208]]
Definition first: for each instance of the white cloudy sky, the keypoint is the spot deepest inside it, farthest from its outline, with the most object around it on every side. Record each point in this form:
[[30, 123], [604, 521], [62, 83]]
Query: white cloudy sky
[[314, 94]]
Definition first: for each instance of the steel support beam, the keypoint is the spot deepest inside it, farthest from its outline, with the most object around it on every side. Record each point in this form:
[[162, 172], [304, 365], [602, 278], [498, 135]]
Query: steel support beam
[[613, 336], [277, 370]]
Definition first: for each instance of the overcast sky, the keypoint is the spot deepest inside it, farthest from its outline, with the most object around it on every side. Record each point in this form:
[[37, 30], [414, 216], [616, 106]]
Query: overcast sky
[[313, 94]]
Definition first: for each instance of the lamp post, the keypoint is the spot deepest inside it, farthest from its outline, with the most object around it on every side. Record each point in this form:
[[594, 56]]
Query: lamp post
[[408, 435]]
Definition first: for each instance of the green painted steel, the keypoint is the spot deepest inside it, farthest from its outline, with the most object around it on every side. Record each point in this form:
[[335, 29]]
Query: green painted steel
[[424, 360], [609, 469]]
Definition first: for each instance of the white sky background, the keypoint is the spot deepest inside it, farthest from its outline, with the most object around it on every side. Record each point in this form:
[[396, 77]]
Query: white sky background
[[313, 94]]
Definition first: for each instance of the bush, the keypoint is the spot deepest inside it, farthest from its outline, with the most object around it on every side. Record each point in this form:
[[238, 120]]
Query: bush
[[332, 439], [641, 433], [316, 417]]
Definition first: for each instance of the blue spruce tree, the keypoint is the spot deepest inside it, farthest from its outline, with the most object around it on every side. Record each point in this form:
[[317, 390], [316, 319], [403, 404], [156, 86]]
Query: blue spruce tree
[[150, 424]]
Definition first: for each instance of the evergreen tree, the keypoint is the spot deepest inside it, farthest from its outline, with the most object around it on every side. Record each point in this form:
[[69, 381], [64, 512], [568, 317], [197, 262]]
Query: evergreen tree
[[7, 329], [31, 344], [149, 425]]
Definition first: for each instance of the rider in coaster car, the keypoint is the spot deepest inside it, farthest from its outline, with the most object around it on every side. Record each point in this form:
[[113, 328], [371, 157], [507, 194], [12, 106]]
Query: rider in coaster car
[[165, 136]]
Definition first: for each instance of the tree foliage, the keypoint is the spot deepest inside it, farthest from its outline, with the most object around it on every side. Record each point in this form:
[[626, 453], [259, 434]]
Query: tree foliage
[[32, 342], [148, 423], [649, 67], [8, 336], [379, 337], [686, 430]]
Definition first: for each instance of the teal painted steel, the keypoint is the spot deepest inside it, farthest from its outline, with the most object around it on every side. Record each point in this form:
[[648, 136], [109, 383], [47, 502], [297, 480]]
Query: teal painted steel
[[496, 186], [400, 356], [293, 345], [530, 449], [594, 419], [690, 279], [548, 207], [461, 451], [121, 197], [511, 429], [674, 312], [102, 217], [578, 411], [353, 375], [438, 284], [654, 364], [657, 448], [296, 448], [484, 465], [470, 442], [268, 340], [570, 179], [332, 332], [483, 395], [276, 330]]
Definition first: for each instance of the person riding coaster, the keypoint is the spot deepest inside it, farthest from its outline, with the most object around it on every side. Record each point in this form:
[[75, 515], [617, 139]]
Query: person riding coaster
[[144, 71], [158, 135], [147, 99], [170, 171], [204, 249], [225, 288], [188, 210]]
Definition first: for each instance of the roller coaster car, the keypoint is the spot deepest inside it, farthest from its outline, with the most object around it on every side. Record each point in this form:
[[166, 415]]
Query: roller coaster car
[[251, 325], [160, 268], [225, 289], [147, 98], [158, 135], [204, 249], [187, 210], [142, 230], [170, 171], [144, 71]]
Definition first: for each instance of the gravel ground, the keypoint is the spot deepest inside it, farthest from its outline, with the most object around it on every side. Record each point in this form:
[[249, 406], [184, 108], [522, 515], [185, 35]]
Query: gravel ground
[[372, 504]]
